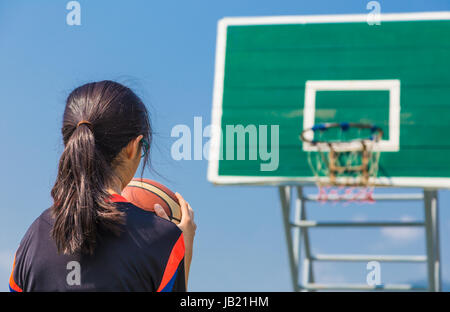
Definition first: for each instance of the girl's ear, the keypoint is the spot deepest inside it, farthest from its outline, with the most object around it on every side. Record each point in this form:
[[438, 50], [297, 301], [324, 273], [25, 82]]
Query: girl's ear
[[134, 147]]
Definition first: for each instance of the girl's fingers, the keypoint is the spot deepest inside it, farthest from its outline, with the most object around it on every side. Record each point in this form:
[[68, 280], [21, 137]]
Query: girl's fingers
[[159, 210], [183, 205], [187, 223], [191, 213]]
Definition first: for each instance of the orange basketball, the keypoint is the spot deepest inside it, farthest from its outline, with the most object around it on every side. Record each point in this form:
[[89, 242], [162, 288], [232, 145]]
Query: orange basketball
[[145, 193]]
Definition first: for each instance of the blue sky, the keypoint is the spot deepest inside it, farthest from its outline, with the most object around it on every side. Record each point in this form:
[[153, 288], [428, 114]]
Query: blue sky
[[165, 51]]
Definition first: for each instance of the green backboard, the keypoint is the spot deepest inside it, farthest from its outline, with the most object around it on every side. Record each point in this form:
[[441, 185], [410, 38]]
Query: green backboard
[[276, 76]]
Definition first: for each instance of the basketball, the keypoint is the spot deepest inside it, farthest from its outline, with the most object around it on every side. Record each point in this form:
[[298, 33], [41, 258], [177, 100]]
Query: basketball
[[145, 193]]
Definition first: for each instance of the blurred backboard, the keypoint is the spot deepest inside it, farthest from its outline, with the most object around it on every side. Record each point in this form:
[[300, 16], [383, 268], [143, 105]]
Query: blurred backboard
[[276, 76]]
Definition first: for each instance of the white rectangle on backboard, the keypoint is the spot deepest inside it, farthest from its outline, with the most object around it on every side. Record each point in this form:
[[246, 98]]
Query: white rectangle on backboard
[[392, 144]]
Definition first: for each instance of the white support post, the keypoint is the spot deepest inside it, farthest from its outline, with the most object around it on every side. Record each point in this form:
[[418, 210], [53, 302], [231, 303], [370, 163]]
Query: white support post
[[285, 198], [308, 273]]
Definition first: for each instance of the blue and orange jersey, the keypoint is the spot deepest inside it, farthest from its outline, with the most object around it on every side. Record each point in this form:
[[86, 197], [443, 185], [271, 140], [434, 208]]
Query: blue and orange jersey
[[147, 256]]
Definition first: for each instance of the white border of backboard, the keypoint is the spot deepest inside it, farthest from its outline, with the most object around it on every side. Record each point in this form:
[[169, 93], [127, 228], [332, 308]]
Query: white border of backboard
[[219, 73], [392, 85]]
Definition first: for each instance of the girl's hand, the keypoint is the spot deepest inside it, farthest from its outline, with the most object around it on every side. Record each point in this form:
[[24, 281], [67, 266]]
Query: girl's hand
[[187, 224]]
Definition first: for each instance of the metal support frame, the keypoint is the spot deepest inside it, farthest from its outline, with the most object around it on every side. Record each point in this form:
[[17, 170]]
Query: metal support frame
[[297, 236], [432, 237]]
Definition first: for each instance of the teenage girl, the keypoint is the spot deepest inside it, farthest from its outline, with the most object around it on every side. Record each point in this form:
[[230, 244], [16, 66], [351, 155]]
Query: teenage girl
[[92, 238]]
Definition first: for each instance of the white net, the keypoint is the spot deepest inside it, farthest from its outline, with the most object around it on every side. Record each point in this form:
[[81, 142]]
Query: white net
[[345, 164]]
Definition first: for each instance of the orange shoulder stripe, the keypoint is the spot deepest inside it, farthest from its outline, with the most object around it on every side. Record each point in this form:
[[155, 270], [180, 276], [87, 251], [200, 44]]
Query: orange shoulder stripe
[[175, 258], [12, 283]]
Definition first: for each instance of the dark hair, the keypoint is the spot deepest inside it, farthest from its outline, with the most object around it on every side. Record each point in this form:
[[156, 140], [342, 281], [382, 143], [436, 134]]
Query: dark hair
[[114, 116]]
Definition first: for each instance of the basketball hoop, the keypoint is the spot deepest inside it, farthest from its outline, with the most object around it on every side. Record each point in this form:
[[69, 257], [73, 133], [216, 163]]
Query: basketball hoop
[[344, 160]]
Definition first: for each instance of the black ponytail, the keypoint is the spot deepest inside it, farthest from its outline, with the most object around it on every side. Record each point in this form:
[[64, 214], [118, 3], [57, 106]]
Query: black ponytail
[[100, 119]]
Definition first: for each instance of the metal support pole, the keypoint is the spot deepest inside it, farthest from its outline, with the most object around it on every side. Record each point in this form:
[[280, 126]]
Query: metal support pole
[[308, 273], [432, 239], [285, 198], [296, 232]]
